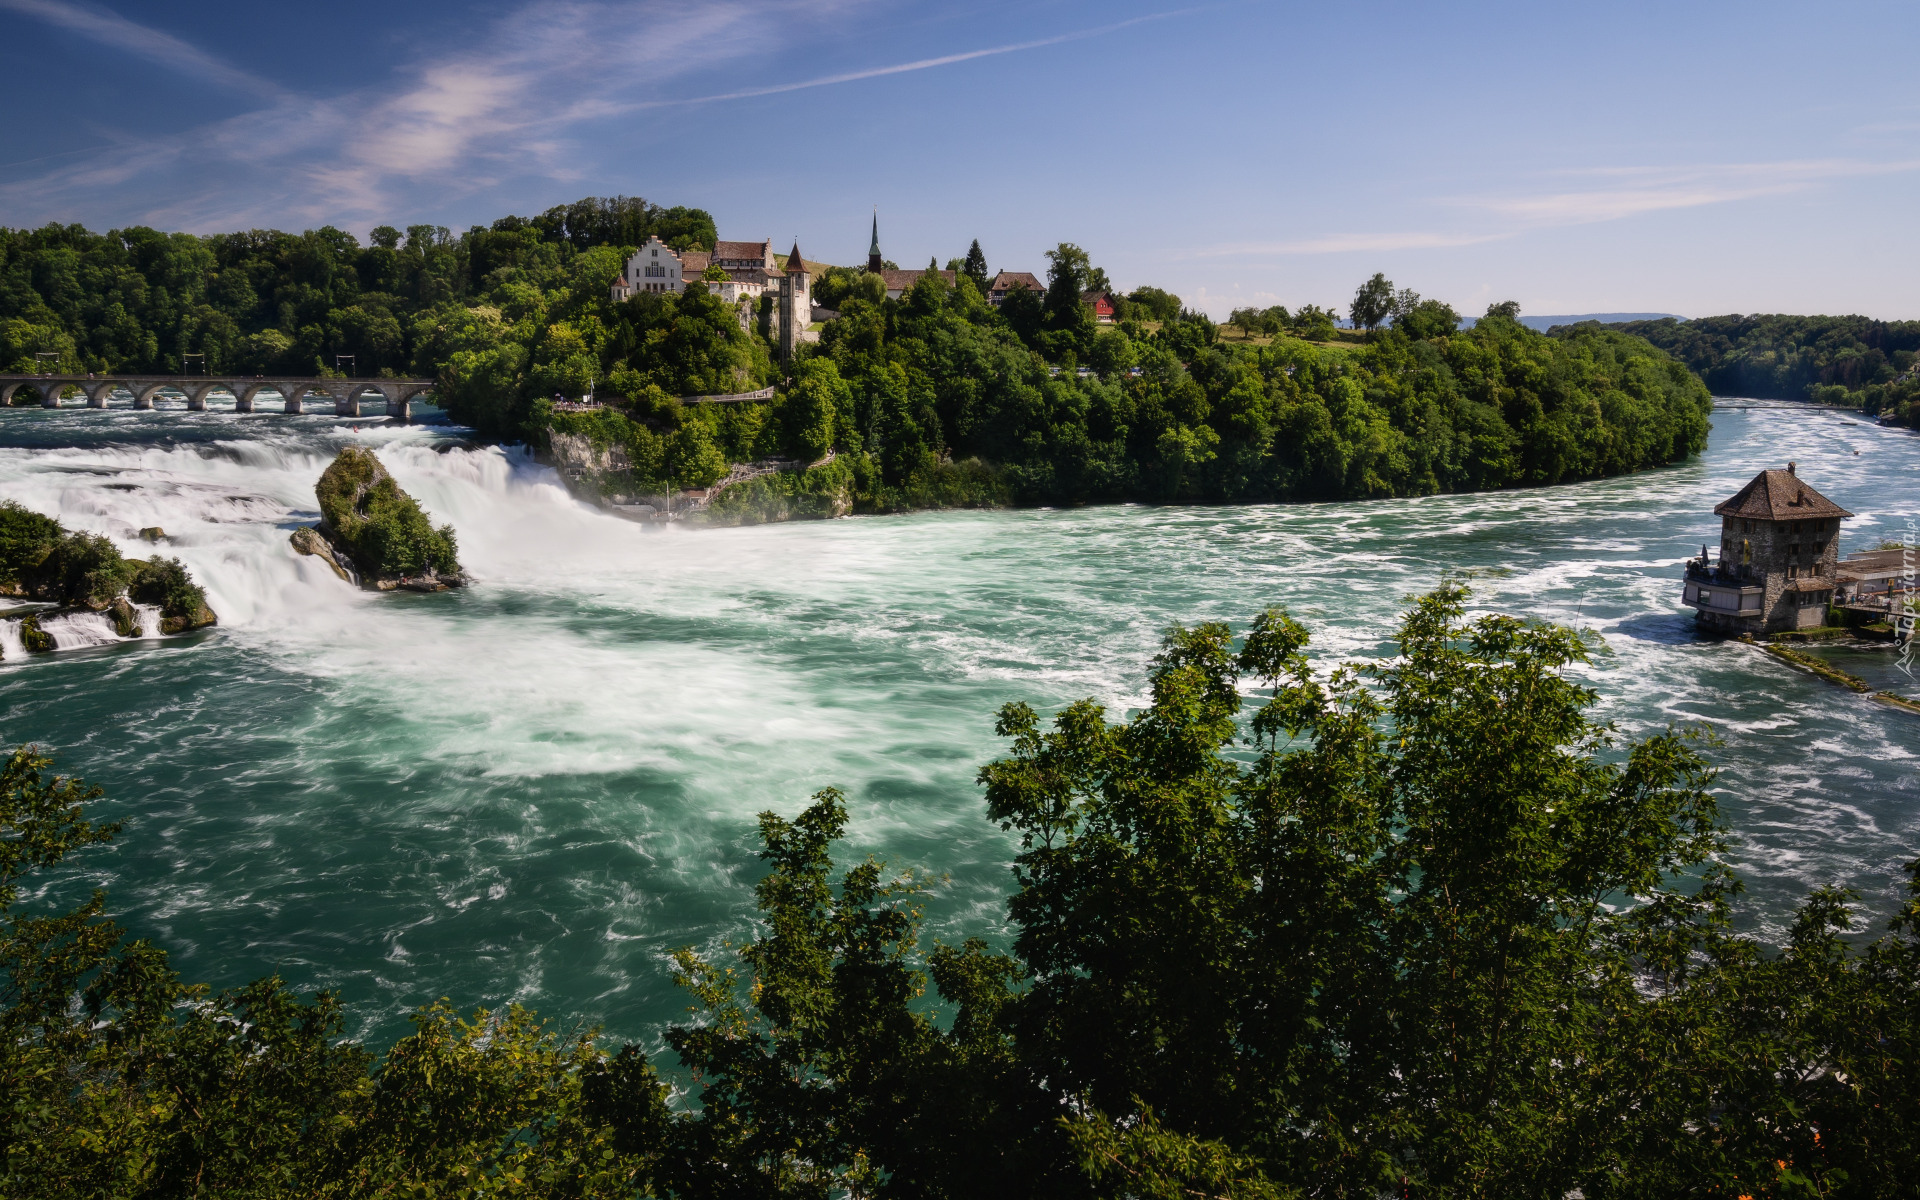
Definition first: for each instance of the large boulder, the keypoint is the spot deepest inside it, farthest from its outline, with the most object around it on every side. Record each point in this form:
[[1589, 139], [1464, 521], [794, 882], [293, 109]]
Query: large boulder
[[374, 531]]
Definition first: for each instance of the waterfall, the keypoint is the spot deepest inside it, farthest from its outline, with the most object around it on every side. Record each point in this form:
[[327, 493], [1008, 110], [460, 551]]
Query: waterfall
[[78, 631], [12, 649], [147, 619]]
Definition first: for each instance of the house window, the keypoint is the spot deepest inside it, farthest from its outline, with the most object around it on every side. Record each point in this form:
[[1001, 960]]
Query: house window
[[656, 254]]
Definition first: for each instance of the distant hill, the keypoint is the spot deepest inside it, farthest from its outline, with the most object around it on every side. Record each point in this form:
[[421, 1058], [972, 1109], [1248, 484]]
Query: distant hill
[[1545, 323]]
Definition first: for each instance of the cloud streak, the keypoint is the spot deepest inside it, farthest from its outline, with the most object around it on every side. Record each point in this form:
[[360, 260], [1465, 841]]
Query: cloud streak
[[922, 64], [1656, 189], [1625, 192], [143, 41]]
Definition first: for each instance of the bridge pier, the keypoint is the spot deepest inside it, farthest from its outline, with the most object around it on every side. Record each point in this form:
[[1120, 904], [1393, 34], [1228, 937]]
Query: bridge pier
[[143, 394], [97, 395], [197, 396], [346, 401], [291, 394], [50, 395]]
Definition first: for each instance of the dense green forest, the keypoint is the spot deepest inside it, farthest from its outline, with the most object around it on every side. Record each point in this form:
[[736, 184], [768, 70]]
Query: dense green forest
[[1416, 928], [1853, 361], [934, 398]]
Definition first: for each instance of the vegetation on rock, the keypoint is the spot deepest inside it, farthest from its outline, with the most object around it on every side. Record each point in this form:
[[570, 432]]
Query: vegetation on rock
[[381, 528], [1416, 927], [40, 560]]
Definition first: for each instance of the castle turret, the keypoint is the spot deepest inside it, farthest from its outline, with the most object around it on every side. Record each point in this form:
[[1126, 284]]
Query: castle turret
[[874, 261], [796, 304]]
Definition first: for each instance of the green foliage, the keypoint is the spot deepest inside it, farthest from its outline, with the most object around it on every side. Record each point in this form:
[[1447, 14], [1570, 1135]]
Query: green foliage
[[1372, 303], [1854, 361], [473, 309], [26, 539], [974, 267], [1176, 415], [382, 528], [165, 582], [41, 560]]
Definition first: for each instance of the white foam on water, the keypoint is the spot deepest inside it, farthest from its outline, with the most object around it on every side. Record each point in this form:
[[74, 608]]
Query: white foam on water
[[79, 631], [147, 619], [12, 648]]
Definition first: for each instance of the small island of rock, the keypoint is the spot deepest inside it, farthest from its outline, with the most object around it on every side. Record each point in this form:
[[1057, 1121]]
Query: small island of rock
[[374, 534], [83, 573]]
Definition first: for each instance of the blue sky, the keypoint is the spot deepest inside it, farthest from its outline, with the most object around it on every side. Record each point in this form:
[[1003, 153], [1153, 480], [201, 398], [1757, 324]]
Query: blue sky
[[1688, 158]]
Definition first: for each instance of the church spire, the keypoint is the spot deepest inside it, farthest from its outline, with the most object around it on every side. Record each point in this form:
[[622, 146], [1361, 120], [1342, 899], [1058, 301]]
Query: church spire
[[873, 251]]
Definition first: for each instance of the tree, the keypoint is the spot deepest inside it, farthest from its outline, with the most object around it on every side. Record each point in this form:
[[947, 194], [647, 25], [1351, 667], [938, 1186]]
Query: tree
[[1153, 304], [1427, 319], [1312, 323], [1372, 302], [975, 267]]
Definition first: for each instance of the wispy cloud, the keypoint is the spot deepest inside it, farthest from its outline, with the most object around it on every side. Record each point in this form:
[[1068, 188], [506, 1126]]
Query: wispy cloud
[[1609, 194], [508, 105], [921, 64], [112, 29], [1348, 243]]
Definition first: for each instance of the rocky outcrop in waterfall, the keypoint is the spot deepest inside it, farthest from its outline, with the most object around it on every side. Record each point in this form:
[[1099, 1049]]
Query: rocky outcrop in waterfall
[[372, 533], [84, 579]]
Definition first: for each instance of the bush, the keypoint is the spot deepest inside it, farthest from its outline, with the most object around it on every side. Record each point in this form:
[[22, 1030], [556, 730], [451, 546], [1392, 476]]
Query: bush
[[165, 582]]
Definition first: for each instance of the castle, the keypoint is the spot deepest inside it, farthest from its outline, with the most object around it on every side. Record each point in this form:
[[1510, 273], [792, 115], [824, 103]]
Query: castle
[[752, 269]]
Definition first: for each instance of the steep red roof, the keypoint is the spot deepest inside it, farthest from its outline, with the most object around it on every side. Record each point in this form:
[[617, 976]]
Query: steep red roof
[[1007, 280], [795, 262], [1778, 496], [692, 262]]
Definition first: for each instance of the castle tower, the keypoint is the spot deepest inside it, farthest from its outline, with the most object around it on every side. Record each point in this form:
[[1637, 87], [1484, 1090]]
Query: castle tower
[[796, 304], [873, 251]]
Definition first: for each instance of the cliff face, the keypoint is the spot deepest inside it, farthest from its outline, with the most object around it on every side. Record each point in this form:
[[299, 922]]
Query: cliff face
[[373, 533], [749, 493]]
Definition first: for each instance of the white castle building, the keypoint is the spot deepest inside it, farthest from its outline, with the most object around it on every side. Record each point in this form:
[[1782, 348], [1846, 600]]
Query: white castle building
[[752, 269]]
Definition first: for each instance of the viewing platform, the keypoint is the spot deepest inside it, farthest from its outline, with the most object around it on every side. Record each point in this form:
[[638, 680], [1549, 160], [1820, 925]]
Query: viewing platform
[[96, 390]]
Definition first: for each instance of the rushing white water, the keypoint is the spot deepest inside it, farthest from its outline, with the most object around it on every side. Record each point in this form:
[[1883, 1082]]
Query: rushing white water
[[147, 619], [12, 647], [79, 631], [534, 788]]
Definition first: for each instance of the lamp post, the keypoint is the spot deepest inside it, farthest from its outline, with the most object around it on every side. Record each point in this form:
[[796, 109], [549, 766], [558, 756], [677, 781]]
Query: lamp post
[[344, 363], [44, 356]]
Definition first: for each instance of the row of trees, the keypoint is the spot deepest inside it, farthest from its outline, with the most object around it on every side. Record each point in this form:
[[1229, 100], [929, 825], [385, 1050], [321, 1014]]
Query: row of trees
[[1856, 361], [1074, 412], [267, 302], [1417, 928], [1061, 410]]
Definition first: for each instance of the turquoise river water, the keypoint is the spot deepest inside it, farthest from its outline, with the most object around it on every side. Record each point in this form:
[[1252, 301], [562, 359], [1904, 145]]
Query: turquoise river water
[[535, 789]]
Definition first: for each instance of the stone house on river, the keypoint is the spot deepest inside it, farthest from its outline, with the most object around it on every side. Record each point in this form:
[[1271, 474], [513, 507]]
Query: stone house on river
[[1778, 566]]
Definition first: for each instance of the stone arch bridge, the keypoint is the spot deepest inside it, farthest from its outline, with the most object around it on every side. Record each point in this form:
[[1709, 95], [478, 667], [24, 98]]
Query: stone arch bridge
[[345, 393]]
